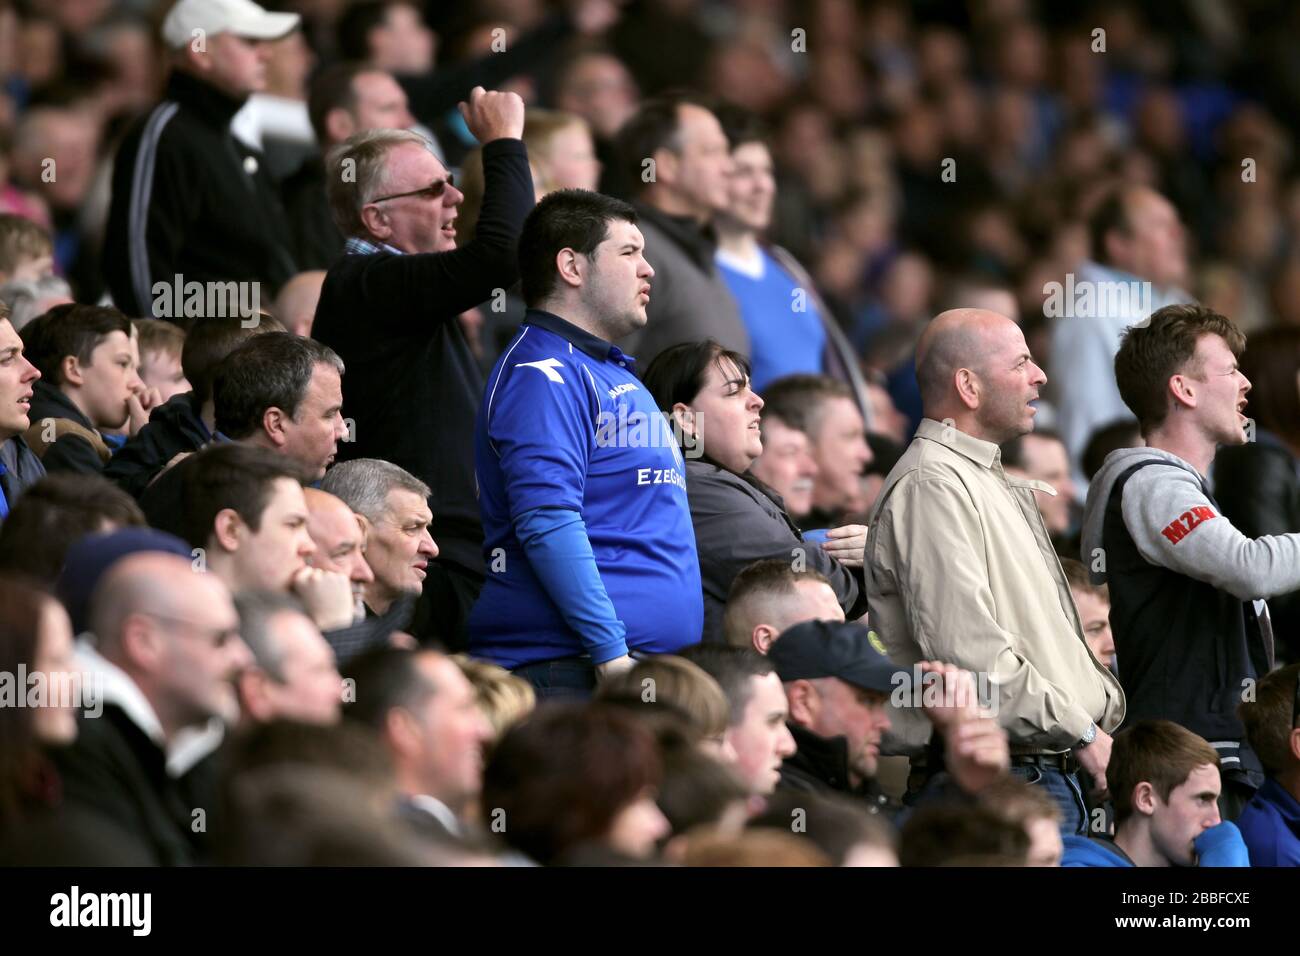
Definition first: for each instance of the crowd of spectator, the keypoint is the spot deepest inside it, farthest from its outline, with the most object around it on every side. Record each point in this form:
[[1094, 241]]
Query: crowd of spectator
[[673, 432]]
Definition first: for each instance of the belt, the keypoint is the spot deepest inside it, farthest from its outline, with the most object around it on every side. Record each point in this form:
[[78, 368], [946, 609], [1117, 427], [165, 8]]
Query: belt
[[1064, 762]]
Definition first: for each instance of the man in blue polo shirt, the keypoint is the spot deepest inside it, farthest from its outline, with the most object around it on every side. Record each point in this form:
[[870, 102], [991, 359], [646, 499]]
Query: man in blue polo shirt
[[588, 537]]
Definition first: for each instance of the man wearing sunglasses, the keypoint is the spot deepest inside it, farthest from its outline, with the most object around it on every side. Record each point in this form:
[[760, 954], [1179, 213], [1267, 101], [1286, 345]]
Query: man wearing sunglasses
[[1270, 823], [166, 655], [389, 308]]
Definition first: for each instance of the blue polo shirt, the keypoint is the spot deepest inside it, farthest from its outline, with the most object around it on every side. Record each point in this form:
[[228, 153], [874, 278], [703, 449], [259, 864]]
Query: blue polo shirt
[[565, 423]]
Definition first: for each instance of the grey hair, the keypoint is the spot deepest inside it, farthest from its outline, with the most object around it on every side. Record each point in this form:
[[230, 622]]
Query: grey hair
[[256, 611], [364, 484], [357, 172], [22, 296]]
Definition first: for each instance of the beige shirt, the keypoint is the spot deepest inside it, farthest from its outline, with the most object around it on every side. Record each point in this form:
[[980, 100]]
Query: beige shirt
[[960, 568]]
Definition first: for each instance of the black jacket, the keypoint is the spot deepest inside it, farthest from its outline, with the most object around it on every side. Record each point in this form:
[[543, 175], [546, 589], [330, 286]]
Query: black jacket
[[116, 770], [738, 520], [821, 765], [190, 199], [413, 386], [67, 452], [317, 241], [1258, 487], [19, 469], [173, 428]]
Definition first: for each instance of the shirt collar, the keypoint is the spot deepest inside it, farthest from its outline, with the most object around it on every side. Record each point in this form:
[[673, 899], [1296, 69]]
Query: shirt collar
[[438, 810], [356, 246], [593, 345], [696, 239], [983, 453]]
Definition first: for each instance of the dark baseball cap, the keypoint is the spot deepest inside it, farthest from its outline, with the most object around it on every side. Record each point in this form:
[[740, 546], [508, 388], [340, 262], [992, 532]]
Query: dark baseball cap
[[93, 554], [842, 649]]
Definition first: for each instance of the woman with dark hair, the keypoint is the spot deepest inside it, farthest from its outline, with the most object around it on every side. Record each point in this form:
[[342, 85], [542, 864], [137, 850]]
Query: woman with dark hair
[[576, 783], [35, 653], [705, 391], [1258, 484]]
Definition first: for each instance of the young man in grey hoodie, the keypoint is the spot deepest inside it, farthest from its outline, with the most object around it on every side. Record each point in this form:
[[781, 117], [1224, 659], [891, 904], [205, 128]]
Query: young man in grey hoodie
[[1192, 632]]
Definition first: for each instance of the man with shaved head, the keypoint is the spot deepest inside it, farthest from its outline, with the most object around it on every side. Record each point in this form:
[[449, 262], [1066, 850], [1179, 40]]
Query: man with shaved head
[[961, 567], [166, 655]]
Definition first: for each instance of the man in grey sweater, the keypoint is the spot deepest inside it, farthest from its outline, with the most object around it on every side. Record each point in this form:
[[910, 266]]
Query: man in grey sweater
[[1187, 589], [677, 158]]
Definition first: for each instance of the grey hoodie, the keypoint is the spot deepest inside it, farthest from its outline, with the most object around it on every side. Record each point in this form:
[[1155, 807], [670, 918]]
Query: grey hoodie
[[1160, 503], [1189, 644]]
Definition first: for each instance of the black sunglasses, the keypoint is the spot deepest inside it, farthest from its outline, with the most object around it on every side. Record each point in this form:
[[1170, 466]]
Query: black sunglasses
[[429, 192]]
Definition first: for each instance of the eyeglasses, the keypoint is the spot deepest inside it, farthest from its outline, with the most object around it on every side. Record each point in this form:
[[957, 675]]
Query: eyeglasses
[[428, 192], [218, 637]]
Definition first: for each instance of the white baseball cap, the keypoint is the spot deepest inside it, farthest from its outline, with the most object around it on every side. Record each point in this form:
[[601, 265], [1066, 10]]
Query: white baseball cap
[[244, 18]]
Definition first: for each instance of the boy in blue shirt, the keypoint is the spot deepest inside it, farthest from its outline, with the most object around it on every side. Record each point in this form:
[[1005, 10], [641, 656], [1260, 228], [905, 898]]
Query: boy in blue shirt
[[588, 538], [1270, 822]]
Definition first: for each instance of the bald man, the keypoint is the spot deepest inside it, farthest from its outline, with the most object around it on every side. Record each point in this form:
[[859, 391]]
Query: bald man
[[166, 655], [961, 568]]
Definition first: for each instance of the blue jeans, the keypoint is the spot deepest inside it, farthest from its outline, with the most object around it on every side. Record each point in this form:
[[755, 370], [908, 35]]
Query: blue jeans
[[567, 678], [1065, 789]]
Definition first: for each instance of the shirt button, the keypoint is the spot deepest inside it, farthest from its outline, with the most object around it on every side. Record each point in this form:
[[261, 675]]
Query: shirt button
[[622, 365]]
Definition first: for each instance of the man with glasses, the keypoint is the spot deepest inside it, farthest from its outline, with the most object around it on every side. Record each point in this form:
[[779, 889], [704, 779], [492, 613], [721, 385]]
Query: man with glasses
[[166, 654], [1270, 822], [389, 308]]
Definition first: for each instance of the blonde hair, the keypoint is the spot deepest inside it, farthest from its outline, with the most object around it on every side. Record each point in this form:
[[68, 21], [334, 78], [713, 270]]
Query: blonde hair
[[505, 698], [680, 685], [357, 172]]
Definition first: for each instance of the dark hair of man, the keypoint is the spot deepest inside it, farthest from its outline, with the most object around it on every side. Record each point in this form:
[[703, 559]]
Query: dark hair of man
[[211, 340], [1109, 215], [1158, 752], [835, 824], [732, 668], [1270, 718], [1106, 439], [772, 577], [740, 126], [231, 475], [696, 789], [352, 32], [55, 512], [70, 329], [271, 371], [798, 400], [678, 373], [574, 219], [1153, 352], [1013, 451], [385, 678], [22, 607], [1270, 363], [1076, 575], [656, 125], [333, 89], [950, 834], [562, 776]]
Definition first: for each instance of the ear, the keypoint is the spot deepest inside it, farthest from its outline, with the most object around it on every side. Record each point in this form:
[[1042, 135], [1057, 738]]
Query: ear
[[273, 420], [1294, 744], [253, 698], [763, 636], [1183, 390], [684, 416], [197, 60], [968, 387], [667, 166], [70, 367], [802, 699], [141, 644], [376, 222], [568, 266], [228, 528], [339, 124], [402, 734], [364, 524], [1144, 799]]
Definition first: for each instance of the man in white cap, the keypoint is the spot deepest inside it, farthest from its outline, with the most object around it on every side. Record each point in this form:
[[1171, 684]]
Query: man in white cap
[[191, 203]]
